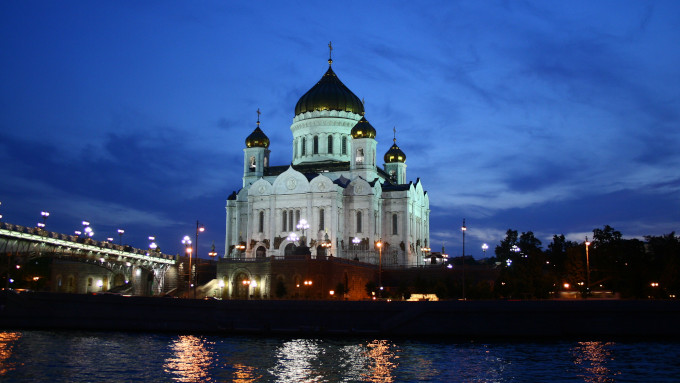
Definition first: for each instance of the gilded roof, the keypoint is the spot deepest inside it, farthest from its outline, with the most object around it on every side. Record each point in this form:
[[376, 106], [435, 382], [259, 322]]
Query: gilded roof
[[257, 138], [363, 129], [394, 154], [329, 94]]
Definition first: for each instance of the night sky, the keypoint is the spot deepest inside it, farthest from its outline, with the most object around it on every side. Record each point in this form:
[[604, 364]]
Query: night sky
[[551, 116]]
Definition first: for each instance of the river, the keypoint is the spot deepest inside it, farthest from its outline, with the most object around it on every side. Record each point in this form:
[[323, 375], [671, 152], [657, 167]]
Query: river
[[48, 356]]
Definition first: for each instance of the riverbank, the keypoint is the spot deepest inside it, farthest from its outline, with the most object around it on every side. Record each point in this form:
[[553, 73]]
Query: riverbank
[[459, 319]]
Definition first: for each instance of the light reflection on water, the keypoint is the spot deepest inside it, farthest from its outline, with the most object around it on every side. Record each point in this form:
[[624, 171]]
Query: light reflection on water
[[593, 357], [36, 356], [191, 359]]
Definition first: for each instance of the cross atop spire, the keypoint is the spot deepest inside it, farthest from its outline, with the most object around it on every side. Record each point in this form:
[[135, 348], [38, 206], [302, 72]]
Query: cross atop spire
[[394, 130], [330, 53], [258, 117]]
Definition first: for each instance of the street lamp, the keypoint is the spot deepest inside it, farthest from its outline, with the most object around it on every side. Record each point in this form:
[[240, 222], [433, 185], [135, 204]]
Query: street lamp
[[240, 247], [87, 231], [463, 229], [120, 235], [303, 226], [292, 237], [587, 268], [186, 241], [152, 245], [425, 251], [199, 229], [212, 253], [356, 241], [379, 244], [326, 244], [44, 215], [485, 247]]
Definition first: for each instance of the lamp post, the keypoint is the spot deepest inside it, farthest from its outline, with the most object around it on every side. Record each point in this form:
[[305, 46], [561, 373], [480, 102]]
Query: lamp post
[[240, 247], [120, 236], [152, 246], [485, 247], [426, 250], [199, 229], [186, 241], [326, 244], [463, 229], [587, 268], [212, 254], [303, 226], [356, 241], [87, 230], [44, 215], [379, 244]]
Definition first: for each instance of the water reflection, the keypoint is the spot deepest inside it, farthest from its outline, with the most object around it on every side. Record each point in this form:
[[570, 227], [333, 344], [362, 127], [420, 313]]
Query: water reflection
[[191, 359], [245, 374], [382, 361], [7, 340], [295, 361], [593, 357]]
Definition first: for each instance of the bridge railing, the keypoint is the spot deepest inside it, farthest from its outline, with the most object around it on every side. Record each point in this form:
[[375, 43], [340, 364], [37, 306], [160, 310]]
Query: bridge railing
[[37, 234]]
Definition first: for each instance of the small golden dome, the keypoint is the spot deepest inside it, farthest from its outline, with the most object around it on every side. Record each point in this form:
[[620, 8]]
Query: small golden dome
[[394, 154], [257, 139], [363, 129]]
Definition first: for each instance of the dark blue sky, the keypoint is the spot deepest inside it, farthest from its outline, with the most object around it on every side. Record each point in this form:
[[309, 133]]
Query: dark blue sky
[[550, 116]]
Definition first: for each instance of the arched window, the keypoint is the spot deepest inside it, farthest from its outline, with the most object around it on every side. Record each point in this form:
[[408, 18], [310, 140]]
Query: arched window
[[358, 222], [261, 223], [330, 144], [344, 145], [316, 144], [284, 221], [303, 148], [321, 220], [252, 163], [395, 224], [360, 156]]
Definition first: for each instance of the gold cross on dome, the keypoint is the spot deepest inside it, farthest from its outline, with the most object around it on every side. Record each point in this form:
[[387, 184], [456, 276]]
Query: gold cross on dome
[[330, 52], [258, 116]]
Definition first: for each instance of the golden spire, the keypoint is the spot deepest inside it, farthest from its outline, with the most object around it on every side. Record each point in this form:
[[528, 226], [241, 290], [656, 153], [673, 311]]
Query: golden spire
[[363, 103], [258, 117], [330, 53]]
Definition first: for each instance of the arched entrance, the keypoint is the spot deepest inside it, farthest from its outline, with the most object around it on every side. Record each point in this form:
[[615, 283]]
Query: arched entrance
[[239, 288], [261, 252], [289, 250], [320, 252]]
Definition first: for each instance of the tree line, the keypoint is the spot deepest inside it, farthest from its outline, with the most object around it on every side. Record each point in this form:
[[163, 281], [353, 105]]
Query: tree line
[[629, 268]]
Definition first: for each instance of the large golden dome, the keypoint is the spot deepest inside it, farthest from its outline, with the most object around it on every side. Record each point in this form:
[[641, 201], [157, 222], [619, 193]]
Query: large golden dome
[[329, 94]]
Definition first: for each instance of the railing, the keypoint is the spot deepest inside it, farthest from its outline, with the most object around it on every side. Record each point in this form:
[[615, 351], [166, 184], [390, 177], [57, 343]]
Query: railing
[[84, 244]]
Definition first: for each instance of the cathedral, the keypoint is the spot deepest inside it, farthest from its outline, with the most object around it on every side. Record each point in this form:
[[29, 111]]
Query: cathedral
[[333, 197]]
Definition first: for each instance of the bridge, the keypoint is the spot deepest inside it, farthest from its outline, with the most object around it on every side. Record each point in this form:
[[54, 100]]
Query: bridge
[[84, 265]]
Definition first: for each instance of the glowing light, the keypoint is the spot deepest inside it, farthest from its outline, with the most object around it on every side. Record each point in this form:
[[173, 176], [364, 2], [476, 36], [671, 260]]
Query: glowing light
[[191, 359]]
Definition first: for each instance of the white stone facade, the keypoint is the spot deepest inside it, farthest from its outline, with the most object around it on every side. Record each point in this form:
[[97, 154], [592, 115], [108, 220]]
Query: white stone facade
[[335, 185]]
